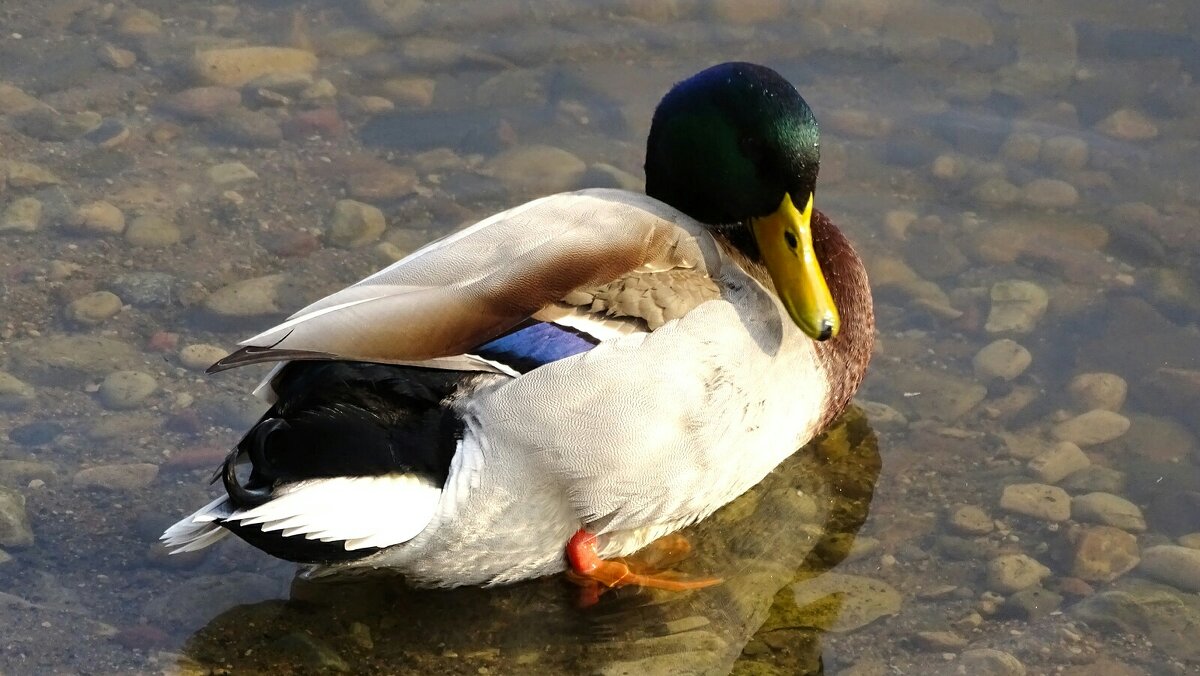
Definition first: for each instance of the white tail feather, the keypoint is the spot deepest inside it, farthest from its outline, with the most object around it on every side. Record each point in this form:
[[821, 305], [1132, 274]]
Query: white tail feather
[[198, 530]]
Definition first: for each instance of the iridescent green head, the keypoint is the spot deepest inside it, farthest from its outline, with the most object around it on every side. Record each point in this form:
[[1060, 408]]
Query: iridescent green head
[[737, 145]]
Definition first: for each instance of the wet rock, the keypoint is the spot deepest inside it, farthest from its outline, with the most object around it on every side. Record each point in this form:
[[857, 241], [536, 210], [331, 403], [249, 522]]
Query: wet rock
[[989, 662], [1092, 391], [47, 124], [13, 101], [1005, 359], [1093, 427], [1017, 306], [882, 416], [15, 394], [940, 641], [236, 66], [1128, 125], [1058, 462], [995, 192], [1065, 153], [537, 170], [863, 600], [1108, 509], [14, 522], [146, 289], [115, 57], [152, 231], [22, 215], [1014, 572], [310, 654], [117, 477], [889, 272], [414, 92], [1101, 553], [1175, 565], [37, 433], [122, 390], [1030, 605], [942, 395], [1164, 615], [1095, 478], [246, 128], [67, 359], [98, 218], [94, 308], [26, 175], [355, 224], [1039, 501], [202, 103], [373, 180], [1049, 193], [228, 173], [1022, 147], [201, 355], [248, 298], [970, 520]]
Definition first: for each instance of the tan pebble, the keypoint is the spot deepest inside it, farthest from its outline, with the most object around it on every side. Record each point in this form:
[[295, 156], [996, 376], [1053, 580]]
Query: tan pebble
[[237, 66], [94, 307], [1098, 391], [98, 218], [201, 355]]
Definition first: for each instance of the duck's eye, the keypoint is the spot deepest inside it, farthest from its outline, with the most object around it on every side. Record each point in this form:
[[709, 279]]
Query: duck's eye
[[790, 238]]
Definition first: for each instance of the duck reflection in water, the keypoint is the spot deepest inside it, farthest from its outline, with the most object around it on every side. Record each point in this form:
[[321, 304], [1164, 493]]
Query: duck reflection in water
[[800, 522]]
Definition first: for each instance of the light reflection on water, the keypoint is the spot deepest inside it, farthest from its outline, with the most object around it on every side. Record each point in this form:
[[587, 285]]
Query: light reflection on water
[[937, 122]]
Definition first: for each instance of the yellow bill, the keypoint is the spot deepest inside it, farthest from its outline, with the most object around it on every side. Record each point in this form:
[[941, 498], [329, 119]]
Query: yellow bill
[[785, 240]]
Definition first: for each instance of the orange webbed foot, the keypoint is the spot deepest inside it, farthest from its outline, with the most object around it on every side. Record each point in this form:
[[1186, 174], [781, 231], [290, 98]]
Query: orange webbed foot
[[645, 569]]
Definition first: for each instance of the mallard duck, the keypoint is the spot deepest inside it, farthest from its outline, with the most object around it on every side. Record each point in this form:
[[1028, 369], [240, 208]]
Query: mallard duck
[[560, 384]]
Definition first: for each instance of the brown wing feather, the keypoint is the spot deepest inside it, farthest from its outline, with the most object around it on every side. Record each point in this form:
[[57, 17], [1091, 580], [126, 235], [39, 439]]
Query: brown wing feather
[[486, 281]]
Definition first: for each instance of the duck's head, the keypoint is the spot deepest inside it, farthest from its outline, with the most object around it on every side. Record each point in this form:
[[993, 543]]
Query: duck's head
[[736, 147]]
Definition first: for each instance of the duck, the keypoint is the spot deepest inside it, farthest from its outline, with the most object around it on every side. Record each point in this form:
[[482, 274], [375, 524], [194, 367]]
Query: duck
[[561, 384]]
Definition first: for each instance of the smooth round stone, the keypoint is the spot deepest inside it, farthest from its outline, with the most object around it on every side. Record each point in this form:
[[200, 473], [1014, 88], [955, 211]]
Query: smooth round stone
[[1128, 125], [15, 394], [152, 231], [1022, 147], [995, 192], [247, 298], [98, 218], [202, 103], [22, 215], [1175, 565], [94, 308], [1058, 462], [14, 521], [1066, 153], [117, 477], [1004, 359], [1094, 427], [1038, 501], [201, 355], [236, 66], [228, 173], [948, 167], [355, 224], [970, 520], [247, 128], [1104, 391], [1191, 540], [1109, 510], [1102, 553], [387, 253], [537, 169], [27, 175], [152, 289], [1094, 478], [1014, 572], [1017, 305], [381, 182], [989, 662], [1049, 193], [122, 390], [115, 57]]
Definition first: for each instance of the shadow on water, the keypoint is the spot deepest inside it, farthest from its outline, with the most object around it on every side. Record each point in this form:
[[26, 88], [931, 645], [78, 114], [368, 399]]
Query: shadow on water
[[798, 523]]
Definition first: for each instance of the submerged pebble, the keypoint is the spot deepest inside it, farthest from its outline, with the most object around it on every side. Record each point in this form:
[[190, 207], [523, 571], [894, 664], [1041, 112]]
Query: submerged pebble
[[1175, 565], [201, 355], [22, 215], [15, 394], [129, 477], [355, 224], [1102, 553], [14, 521], [1005, 359], [98, 218], [1098, 391], [1058, 462], [1091, 428], [94, 308], [236, 66], [123, 390], [152, 231], [1014, 572], [1039, 501], [537, 169], [1017, 305], [1109, 510]]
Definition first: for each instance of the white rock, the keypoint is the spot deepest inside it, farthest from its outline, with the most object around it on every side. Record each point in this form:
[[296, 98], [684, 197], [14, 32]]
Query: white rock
[[1109, 510], [1098, 391], [1175, 565], [1004, 358], [1055, 464], [1039, 501], [1093, 427], [1017, 305], [1014, 572]]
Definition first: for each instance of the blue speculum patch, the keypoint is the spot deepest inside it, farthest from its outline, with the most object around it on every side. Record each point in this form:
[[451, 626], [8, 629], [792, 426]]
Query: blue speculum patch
[[534, 345]]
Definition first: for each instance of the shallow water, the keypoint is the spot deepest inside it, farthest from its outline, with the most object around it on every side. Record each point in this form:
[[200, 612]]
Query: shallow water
[[1018, 171]]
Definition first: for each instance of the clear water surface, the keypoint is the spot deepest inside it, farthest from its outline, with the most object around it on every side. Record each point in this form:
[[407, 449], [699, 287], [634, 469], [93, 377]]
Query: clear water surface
[[1018, 491]]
